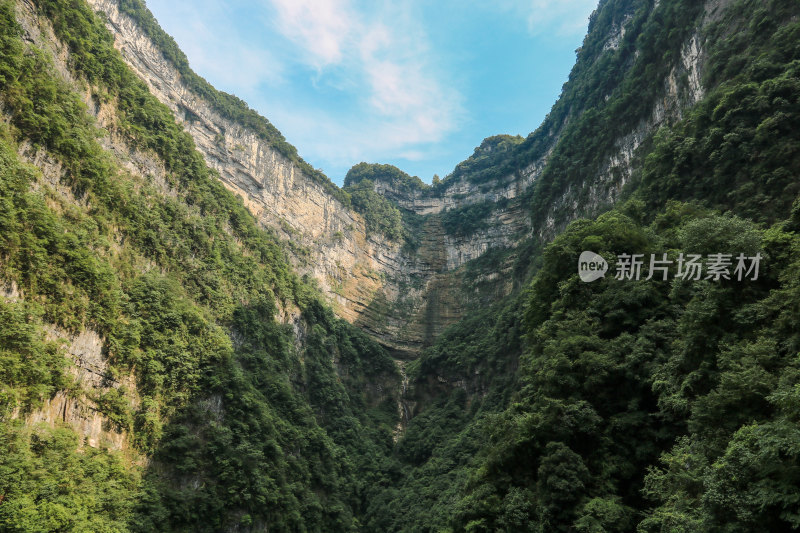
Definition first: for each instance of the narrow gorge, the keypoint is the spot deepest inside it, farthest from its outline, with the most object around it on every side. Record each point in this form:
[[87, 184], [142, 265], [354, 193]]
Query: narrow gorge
[[199, 331], [403, 297]]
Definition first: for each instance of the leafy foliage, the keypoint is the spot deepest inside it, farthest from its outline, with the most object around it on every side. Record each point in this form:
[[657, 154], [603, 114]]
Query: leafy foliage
[[737, 149], [31, 369], [612, 406], [256, 433], [619, 370], [468, 219], [47, 486], [380, 215], [492, 153], [389, 174]]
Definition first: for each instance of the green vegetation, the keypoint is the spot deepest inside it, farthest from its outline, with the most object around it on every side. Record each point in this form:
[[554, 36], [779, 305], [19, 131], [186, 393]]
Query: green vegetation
[[32, 369], [635, 406], [468, 219], [620, 386], [380, 215], [482, 165], [253, 433], [623, 377], [386, 173], [738, 149], [47, 486]]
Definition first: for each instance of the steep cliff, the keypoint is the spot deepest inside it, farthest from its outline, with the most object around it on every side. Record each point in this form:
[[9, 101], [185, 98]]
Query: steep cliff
[[328, 239], [373, 281], [405, 296], [631, 406]]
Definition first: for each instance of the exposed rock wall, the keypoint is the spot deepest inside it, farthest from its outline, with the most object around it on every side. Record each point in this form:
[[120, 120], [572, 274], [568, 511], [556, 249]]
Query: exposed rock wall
[[403, 297], [370, 280], [681, 89], [460, 193], [78, 408], [274, 189]]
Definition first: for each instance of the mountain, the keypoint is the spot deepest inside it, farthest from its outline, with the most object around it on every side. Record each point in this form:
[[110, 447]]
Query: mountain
[[200, 332]]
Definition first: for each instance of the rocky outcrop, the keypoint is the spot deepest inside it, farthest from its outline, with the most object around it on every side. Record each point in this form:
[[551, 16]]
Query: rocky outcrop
[[682, 88], [78, 407], [90, 379], [460, 193]]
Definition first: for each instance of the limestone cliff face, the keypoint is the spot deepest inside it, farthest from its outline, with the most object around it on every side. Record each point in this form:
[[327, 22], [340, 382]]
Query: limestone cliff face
[[403, 297], [460, 193], [88, 372], [680, 90], [274, 189], [393, 293], [79, 408]]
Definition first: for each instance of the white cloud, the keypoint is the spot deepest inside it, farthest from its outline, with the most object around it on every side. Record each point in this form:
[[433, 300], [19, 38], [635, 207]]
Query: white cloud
[[374, 55], [338, 142], [379, 54], [321, 27]]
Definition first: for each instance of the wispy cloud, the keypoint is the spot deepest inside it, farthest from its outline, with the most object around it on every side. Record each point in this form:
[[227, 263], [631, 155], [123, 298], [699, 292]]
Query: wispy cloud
[[554, 17], [321, 27], [336, 142], [353, 80], [384, 56]]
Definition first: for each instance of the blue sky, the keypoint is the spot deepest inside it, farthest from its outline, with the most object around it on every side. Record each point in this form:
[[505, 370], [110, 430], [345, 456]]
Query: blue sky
[[417, 84]]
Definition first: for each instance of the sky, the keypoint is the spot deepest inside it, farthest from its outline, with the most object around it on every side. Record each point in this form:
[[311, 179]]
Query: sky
[[417, 84]]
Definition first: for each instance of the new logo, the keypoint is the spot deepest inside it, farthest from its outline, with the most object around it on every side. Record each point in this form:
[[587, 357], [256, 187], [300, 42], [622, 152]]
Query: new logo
[[591, 266]]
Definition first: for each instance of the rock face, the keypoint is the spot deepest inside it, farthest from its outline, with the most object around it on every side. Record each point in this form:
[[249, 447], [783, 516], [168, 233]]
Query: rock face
[[404, 297], [681, 89], [275, 190], [78, 408], [370, 280]]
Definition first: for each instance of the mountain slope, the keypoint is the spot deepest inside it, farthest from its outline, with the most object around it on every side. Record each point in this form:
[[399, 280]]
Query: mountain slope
[[649, 405], [406, 291], [169, 364], [163, 366]]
